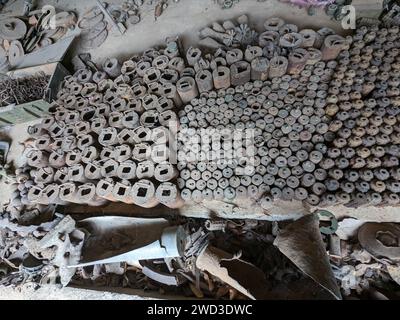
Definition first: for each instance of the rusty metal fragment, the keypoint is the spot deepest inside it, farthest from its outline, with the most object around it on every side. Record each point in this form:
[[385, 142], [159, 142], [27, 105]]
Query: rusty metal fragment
[[302, 243]]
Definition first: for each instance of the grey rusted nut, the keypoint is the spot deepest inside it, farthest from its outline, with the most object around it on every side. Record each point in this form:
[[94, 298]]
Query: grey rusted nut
[[139, 91], [161, 62], [119, 104], [170, 91], [204, 81], [273, 24], [128, 67], [34, 194], [177, 64], [89, 154], [167, 194], [38, 159], [76, 173], [321, 35], [127, 170], [259, 69], [108, 137], [105, 85], [143, 194], [267, 38], [57, 159], [151, 75], [165, 172], [309, 37], [98, 124], [193, 55], [252, 52], [234, 55], [130, 120], [107, 153], [73, 157], [84, 141], [297, 61], [44, 175], [93, 171], [122, 152], [164, 104], [188, 72], [125, 91], [105, 188], [314, 57], [87, 114], [49, 195], [278, 67], [149, 119], [88, 88], [112, 67], [122, 192], [83, 75], [56, 129], [68, 193], [222, 77], [332, 46], [109, 168], [240, 73], [142, 134], [150, 102], [217, 62], [86, 193], [44, 143], [187, 89], [291, 40], [169, 76], [46, 123], [141, 67]]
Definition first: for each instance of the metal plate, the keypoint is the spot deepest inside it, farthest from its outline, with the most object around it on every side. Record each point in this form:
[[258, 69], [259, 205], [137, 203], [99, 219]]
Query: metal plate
[[49, 54]]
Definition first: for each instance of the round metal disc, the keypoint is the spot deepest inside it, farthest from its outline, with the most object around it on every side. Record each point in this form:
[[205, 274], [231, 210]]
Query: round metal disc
[[15, 53], [12, 29]]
